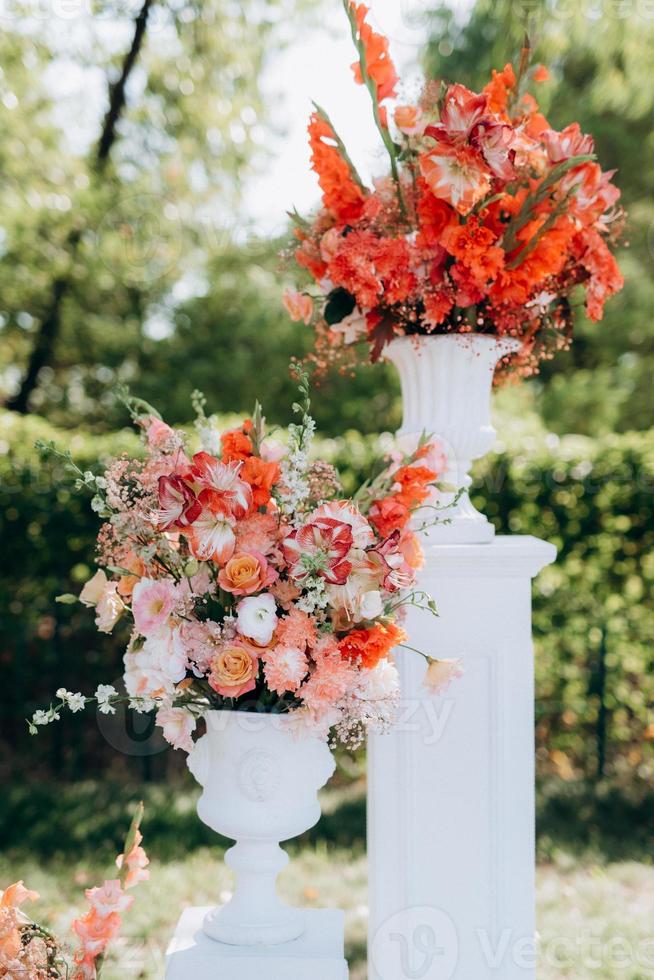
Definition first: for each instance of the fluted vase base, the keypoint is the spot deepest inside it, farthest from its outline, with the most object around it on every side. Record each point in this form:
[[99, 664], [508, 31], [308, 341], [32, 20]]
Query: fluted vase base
[[446, 392]]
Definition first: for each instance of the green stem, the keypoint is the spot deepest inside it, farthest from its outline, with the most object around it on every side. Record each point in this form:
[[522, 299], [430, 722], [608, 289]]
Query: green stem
[[415, 650]]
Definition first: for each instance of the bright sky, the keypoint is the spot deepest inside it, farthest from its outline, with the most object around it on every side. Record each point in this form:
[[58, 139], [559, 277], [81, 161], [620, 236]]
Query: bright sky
[[316, 66]]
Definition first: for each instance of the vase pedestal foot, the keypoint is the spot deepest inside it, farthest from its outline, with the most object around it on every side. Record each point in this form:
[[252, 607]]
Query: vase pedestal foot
[[317, 954]]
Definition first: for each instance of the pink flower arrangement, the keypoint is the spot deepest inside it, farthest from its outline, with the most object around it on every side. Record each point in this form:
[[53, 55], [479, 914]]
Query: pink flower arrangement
[[487, 219], [250, 583], [29, 951]]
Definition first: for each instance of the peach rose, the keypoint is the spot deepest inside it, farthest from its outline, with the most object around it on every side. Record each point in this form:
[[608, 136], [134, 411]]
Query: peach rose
[[246, 573], [408, 119], [234, 671]]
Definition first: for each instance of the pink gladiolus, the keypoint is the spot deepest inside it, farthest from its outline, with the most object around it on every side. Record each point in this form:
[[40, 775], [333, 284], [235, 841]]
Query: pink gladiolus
[[136, 863], [96, 930], [16, 894], [109, 898]]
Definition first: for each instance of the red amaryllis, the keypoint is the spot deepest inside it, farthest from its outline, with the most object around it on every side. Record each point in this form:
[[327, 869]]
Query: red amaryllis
[[321, 547], [178, 505], [396, 573], [223, 481], [212, 538]]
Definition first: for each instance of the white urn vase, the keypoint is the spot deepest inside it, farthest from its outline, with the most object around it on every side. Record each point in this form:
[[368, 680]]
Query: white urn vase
[[260, 783], [446, 393]]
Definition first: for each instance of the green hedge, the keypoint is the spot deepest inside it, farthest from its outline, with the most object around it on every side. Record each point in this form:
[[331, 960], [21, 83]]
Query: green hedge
[[593, 613]]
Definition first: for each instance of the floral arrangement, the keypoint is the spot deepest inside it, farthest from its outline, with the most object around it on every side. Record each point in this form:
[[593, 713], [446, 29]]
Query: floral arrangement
[[31, 952], [249, 582], [487, 221]]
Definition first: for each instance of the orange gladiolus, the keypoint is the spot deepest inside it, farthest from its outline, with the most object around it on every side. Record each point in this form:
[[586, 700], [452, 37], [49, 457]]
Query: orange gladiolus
[[498, 89], [378, 62], [340, 193]]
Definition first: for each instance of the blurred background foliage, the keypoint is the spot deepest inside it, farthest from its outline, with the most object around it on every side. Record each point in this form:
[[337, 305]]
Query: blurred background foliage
[[125, 256]]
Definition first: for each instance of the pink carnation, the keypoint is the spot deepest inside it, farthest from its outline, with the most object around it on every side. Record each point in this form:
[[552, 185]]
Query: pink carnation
[[296, 629], [258, 533], [285, 669], [328, 684]]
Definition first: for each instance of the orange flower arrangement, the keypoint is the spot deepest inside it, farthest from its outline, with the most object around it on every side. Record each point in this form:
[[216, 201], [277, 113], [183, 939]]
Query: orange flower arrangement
[[486, 223], [251, 582]]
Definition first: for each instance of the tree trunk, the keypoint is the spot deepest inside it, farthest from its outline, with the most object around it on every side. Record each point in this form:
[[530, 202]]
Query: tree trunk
[[49, 327]]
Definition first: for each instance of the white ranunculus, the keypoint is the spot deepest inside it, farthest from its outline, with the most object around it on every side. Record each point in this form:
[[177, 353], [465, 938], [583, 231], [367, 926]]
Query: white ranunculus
[[156, 667], [371, 605], [257, 618]]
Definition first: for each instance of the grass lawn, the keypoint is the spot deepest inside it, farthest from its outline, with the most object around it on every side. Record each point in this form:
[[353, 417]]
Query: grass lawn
[[594, 921], [595, 915]]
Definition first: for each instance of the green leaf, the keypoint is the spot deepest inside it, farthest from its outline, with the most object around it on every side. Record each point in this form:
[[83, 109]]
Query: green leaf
[[340, 303]]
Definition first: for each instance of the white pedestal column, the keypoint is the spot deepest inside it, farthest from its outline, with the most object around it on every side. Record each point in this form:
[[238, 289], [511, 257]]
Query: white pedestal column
[[316, 955], [451, 808]]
